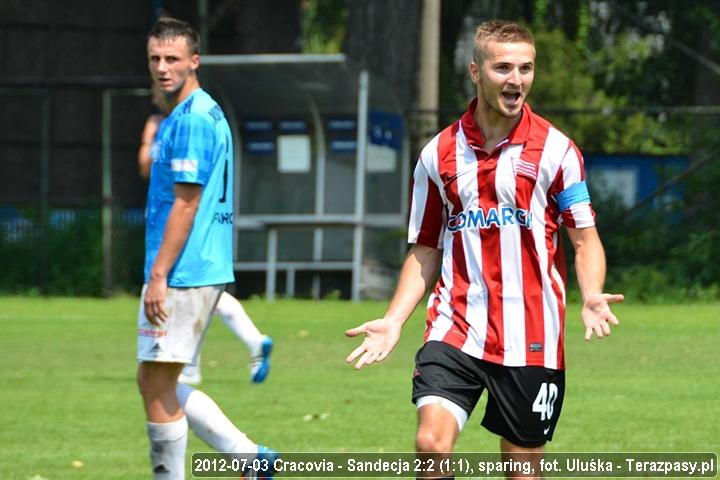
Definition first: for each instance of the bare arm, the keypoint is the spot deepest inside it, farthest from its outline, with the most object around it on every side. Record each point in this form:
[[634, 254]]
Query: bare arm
[[382, 335], [177, 229], [590, 268], [146, 141]]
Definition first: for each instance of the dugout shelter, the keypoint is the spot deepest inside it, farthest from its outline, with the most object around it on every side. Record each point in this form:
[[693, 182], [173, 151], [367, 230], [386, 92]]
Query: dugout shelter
[[321, 172]]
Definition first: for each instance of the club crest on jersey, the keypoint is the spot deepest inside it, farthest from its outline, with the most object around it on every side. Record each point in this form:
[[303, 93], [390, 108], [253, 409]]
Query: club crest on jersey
[[524, 168], [494, 217]]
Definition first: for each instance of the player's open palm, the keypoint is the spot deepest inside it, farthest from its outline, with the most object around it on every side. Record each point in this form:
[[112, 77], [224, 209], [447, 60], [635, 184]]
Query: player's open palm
[[597, 316], [381, 336]]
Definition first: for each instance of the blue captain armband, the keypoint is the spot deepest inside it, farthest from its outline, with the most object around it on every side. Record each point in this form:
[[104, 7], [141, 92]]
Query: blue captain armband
[[574, 194]]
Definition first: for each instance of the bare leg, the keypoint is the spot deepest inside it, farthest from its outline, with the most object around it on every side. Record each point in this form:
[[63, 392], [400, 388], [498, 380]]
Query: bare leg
[[436, 435], [157, 382], [524, 456], [167, 426]]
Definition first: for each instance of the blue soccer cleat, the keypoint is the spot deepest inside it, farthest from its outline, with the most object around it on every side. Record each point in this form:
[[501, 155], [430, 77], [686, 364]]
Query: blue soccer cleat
[[266, 457], [260, 364]]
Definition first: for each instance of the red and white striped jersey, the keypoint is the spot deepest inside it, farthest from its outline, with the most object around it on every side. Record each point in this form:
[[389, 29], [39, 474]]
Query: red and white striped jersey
[[501, 293]]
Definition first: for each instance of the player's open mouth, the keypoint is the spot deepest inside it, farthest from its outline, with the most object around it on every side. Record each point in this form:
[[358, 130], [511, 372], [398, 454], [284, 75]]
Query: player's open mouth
[[511, 97]]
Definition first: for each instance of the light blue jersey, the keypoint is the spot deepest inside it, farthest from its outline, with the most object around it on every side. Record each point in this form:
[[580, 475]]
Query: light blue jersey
[[193, 145]]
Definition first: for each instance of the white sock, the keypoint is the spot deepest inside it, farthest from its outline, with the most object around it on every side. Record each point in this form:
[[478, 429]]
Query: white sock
[[210, 423], [237, 320], [168, 442]]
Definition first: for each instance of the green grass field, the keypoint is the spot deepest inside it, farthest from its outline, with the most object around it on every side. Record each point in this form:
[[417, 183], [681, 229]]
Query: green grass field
[[68, 390]]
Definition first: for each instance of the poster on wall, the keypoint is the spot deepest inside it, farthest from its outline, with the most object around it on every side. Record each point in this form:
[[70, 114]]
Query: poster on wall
[[294, 154], [381, 158]]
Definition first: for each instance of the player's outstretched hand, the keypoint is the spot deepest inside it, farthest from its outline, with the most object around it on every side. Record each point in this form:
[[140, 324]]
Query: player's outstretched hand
[[596, 314], [381, 336]]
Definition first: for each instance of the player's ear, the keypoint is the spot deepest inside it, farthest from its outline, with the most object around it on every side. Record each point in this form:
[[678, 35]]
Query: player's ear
[[474, 72], [195, 61]]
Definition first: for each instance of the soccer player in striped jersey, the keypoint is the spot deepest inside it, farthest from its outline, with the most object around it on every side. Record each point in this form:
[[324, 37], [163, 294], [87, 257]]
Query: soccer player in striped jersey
[[188, 254], [490, 193]]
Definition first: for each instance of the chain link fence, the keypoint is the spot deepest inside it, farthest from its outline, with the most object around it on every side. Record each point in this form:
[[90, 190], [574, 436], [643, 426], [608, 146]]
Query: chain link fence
[[72, 203], [63, 176]]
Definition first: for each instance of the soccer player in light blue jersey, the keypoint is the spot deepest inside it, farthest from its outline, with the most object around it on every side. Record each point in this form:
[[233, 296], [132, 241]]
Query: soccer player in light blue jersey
[[188, 254], [228, 308]]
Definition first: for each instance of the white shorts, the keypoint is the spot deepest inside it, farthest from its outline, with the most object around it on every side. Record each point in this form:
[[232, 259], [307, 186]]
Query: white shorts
[[178, 339]]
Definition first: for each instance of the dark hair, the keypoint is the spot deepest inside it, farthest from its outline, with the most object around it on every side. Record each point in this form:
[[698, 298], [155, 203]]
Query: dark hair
[[167, 28], [501, 31]]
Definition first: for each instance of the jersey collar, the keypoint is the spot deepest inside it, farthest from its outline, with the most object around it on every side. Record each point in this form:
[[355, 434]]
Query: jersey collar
[[184, 106], [518, 135]]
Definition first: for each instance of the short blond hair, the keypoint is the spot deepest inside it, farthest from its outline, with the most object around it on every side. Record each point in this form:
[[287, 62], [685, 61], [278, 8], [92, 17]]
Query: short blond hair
[[499, 31]]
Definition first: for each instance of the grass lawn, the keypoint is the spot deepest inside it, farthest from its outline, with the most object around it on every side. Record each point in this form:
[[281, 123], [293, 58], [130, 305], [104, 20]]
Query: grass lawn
[[68, 385]]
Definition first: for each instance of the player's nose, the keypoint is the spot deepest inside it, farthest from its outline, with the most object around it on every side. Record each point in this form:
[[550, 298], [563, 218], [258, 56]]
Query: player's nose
[[514, 77]]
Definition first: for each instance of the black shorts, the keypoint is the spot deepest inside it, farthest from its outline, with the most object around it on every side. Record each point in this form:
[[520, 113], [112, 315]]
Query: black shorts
[[523, 405]]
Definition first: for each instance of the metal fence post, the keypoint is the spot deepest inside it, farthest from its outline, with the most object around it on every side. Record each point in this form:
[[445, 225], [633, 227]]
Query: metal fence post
[[362, 138], [107, 193], [44, 190]]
